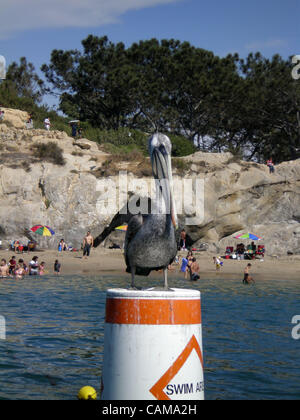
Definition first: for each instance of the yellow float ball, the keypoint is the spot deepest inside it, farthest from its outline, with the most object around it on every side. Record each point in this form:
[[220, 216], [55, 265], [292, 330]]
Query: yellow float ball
[[87, 393]]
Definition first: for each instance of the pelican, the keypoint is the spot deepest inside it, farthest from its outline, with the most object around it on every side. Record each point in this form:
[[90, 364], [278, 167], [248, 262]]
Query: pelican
[[150, 242]]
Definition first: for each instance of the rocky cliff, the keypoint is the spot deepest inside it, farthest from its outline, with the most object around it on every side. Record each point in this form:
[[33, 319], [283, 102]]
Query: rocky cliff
[[237, 196]]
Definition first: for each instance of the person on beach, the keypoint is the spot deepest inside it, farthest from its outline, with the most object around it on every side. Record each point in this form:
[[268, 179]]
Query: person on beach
[[4, 269], [247, 278], [182, 240], [16, 245], [57, 267], [62, 246], [88, 242], [194, 269]]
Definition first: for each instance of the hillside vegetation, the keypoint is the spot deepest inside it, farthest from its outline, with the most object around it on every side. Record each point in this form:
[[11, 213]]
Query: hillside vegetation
[[246, 106]]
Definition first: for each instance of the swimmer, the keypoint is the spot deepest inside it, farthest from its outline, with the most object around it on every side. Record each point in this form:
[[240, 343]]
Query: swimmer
[[189, 256], [23, 265], [247, 278], [19, 272], [42, 268], [12, 265], [170, 267], [34, 266]]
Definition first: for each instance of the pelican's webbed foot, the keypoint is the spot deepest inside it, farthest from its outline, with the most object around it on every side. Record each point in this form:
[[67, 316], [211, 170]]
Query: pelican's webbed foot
[[134, 288]]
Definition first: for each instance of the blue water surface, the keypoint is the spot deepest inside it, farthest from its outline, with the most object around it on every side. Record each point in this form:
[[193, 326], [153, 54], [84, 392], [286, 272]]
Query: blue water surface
[[55, 337]]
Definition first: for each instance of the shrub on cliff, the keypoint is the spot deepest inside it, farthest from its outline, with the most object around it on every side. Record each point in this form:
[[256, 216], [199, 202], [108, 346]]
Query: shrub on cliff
[[49, 152], [181, 146]]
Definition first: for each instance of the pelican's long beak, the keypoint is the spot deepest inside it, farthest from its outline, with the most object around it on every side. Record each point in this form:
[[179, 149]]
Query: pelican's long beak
[[162, 171], [173, 206]]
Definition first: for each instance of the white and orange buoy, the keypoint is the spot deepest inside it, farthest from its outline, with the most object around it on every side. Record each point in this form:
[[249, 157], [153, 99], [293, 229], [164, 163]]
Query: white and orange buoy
[[153, 345]]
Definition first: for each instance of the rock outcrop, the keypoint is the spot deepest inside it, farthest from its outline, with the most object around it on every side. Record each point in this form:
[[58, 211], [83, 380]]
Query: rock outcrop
[[238, 196]]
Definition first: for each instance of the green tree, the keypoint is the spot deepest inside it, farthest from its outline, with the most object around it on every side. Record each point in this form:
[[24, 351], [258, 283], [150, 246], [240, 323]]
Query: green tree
[[24, 81], [272, 107], [247, 106], [95, 84]]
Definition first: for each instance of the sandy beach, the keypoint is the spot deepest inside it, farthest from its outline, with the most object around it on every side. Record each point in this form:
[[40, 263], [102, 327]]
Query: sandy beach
[[112, 261]]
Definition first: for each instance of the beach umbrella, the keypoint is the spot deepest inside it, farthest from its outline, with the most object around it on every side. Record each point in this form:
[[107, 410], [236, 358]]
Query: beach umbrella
[[249, 236], [42, 230], [122, 228]]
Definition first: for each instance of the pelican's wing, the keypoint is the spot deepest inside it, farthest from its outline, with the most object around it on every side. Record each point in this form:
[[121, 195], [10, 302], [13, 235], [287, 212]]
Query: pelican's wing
[[134, 225], [122, 217], [118, 220]]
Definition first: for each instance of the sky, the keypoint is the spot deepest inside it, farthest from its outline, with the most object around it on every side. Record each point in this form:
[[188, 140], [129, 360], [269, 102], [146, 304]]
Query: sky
[[33, 28]]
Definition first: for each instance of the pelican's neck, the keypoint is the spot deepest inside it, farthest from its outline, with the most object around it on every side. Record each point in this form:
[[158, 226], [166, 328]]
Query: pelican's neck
[[164, 201]]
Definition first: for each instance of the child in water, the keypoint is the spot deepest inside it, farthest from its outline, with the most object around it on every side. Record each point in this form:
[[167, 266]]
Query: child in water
[[217, 263], [57, 267], [42, 268]]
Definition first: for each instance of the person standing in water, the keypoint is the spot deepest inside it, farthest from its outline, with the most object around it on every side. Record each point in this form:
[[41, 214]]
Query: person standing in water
[[194, 269], [19, 272], [42, 268], [183, 268], [247, 278], [4, 269], [217, 263], [57, 267]]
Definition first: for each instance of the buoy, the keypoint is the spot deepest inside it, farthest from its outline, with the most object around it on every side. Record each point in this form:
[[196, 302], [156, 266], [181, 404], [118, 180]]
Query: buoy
[[153, 345], [87, 393]]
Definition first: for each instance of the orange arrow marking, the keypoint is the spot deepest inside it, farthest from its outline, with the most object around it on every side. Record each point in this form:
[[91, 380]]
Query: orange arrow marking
[[158, 389]]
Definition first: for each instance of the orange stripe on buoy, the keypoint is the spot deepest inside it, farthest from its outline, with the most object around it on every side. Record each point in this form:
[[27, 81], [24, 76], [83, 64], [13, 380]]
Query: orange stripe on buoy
[[153, 311]]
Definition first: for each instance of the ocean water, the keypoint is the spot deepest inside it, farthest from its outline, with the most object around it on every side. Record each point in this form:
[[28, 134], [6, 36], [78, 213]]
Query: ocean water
[[55, 332]]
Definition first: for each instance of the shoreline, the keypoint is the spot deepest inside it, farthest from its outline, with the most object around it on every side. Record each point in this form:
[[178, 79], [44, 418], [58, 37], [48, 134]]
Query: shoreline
[[107, 261]]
